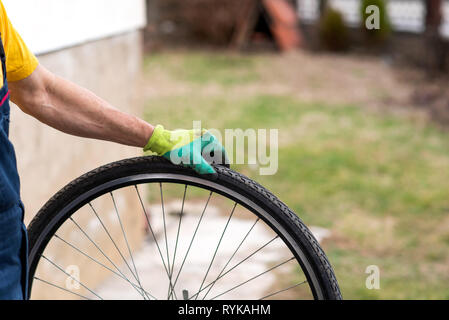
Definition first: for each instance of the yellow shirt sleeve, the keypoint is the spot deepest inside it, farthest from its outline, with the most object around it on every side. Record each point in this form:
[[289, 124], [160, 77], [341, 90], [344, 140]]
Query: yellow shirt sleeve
[[20, 61]]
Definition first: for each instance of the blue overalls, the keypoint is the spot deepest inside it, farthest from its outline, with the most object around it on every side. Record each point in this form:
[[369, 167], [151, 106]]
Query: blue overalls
[[13, 238]]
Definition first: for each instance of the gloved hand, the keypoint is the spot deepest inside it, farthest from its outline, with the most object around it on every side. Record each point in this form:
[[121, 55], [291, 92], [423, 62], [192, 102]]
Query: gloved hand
[[192, 148]]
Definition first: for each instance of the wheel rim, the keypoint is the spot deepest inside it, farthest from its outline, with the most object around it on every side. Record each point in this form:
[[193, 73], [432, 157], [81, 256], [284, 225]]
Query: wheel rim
[[205, 285]]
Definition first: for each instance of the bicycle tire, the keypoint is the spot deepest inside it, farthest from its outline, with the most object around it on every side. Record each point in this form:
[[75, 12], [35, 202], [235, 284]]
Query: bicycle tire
[[295, 234]]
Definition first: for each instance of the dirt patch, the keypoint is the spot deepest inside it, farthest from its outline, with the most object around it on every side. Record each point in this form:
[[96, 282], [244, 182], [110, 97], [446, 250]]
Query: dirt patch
[[365, 81]]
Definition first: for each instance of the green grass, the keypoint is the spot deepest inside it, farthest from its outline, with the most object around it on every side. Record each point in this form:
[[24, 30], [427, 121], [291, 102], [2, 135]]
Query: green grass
[[378, 181], [222, 69]]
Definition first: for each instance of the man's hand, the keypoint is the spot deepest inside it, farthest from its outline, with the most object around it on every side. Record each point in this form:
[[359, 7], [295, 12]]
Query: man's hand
[[192, 148]]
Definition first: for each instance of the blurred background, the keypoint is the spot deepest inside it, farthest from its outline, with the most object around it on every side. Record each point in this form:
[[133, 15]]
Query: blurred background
[[362, 114]]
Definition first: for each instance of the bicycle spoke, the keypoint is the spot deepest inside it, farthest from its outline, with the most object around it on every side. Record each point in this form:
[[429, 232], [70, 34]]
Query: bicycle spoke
[[98, 247], [236, 265], [166, 241], [120, 274], [232, 256], [260, 274], [70, 276], [283, 290], [126, 240], [113, 242], [152, 233], [229, 260], [216, 249], [191, 241], [59, 287], [177, 234], [165, 226]]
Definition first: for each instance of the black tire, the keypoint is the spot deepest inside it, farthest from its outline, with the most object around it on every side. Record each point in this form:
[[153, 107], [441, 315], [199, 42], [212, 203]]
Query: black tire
[[278, 216]]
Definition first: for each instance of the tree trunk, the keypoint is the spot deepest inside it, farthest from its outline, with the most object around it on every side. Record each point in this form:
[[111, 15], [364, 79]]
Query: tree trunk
[[437, 48]]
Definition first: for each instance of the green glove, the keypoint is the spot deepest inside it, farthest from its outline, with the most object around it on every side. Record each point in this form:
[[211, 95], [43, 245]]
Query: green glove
[[192, 148]]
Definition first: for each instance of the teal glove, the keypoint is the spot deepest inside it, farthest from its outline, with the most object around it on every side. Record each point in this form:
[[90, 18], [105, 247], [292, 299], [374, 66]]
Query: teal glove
[[192, 148]]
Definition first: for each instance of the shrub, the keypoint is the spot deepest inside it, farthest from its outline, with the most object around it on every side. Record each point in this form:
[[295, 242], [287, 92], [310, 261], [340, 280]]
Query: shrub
[[333, 32]]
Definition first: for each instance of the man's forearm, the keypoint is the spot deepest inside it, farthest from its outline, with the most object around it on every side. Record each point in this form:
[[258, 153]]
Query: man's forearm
[[67, 107]]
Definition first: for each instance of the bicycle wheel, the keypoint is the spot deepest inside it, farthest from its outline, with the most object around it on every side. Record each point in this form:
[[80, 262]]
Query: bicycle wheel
[[143, 228]]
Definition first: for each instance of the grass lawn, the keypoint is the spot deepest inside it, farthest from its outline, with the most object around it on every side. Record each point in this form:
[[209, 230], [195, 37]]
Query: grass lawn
[[378, 180]]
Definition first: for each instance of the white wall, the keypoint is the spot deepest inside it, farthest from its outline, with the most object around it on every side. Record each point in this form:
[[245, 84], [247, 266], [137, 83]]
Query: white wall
[[48, 25]]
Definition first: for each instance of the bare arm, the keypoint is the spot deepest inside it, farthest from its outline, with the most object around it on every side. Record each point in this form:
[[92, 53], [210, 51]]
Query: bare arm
[[67, 107]]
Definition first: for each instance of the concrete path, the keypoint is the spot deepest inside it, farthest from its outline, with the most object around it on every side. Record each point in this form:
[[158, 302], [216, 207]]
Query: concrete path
[[152, 273]]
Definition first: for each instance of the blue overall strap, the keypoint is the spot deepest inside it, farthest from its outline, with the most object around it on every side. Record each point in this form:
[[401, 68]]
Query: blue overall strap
[[3, 58], [13, 239]]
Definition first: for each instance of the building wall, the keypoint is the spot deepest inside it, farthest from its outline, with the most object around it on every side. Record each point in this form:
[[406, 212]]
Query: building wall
[[48, 159], [49, 25]]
